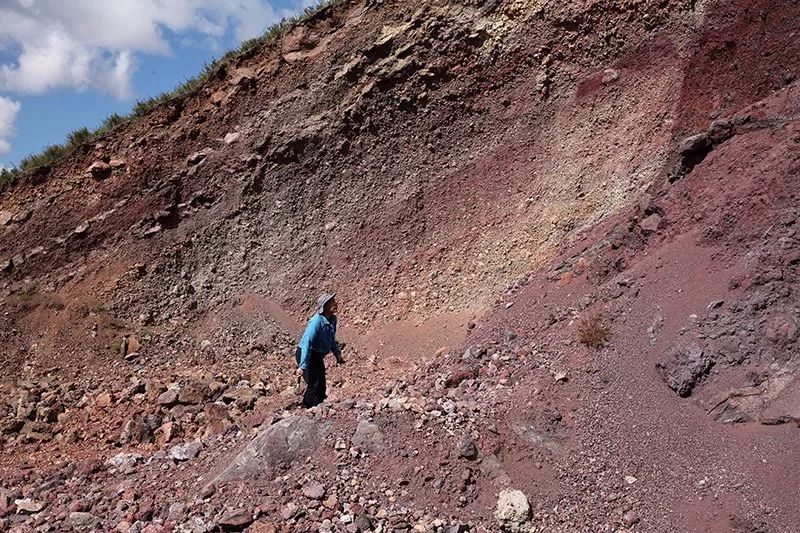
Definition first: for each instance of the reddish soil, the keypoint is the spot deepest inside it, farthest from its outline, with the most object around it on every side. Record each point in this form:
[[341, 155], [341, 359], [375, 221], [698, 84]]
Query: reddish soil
[[478, 181]]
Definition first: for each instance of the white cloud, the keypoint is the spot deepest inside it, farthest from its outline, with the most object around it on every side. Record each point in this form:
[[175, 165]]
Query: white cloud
[[8, 114], [91, 44]]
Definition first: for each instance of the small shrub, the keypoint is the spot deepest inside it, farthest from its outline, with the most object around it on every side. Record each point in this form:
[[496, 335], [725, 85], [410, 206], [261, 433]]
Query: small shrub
[[57, 304], [28, 292], [143, 107], [594, 331], [45, 157], [111, 122], [116, 346], [8, 176], [77, 138]]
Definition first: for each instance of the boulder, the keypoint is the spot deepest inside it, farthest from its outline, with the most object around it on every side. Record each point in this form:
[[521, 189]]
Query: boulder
[[124, 460], [683, 366], [651, 223], [283, 442], [456, 377], [467, 449], [5, 218], [694, 144], [139, 429], [82, 520], [368, 437], [194, 393], [37, 431], [198, 157], [167, 398], [236, 520], [243, 397], [218, 418], [513, 511], [29, 506], [185, 452], [98, 170], [82, 229], [314, 491]]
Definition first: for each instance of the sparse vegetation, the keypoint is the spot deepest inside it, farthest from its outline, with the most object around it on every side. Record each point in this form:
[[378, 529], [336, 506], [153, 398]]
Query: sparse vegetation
[[7, 177], [57, 304], [594, 331], [27, 292], [74, 140], [116, 346], [111, 122]]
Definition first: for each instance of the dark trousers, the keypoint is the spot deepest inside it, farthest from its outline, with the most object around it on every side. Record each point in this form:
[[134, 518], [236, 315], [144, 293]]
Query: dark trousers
[[314, 376]]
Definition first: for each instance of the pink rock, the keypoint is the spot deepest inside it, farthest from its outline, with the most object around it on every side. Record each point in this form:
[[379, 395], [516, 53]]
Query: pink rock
[[651, 223]]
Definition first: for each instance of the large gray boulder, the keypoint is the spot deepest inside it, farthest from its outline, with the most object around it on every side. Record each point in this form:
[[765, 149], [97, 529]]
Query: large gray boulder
[[683, 366], [285, 441], [368, 437]]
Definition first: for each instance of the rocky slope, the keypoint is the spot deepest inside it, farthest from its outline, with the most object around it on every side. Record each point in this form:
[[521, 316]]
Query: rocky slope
[[486, 184]]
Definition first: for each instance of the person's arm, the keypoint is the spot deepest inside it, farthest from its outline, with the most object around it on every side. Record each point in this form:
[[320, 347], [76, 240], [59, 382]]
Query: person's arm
[[337, 352], [306, 342]]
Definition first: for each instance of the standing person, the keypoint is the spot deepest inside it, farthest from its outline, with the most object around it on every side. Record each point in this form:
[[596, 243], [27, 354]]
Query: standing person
[[318, 341]]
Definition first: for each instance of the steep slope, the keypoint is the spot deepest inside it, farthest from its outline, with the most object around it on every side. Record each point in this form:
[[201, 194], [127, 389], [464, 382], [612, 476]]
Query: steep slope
[[417, 167], [479, 176]]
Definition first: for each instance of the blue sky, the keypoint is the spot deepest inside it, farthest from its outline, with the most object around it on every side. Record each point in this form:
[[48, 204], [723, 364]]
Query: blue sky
[[69, 64]]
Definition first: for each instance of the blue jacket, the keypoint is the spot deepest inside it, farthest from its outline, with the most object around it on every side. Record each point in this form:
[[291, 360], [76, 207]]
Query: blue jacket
[[320, 336]]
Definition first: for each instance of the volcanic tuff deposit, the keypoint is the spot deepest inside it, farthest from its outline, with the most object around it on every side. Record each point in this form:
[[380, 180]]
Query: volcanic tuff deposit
[[493, 188]]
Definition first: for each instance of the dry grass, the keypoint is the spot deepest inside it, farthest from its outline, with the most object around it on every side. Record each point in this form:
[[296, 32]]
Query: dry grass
[[594, 331], [56, 304]]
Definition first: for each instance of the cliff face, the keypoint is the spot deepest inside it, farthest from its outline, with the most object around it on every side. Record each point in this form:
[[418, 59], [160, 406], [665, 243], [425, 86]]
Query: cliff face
[[464, 174], [417, 158]]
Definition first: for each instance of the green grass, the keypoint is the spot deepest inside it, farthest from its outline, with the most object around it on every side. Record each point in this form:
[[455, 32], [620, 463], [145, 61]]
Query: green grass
[[54, 153], [8, 176]]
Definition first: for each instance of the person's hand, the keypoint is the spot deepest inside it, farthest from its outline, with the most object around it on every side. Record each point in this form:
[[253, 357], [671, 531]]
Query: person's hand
[[300, 372]]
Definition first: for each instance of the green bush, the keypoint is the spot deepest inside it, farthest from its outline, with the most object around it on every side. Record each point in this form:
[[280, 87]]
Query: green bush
[[111, 122], [8, 176], [78, 137], [46, 156]]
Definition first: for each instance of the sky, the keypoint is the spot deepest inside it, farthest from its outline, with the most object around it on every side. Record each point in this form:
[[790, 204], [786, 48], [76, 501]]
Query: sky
[[66, 64]]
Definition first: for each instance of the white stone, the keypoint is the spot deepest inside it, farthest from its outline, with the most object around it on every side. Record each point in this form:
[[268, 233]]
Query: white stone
[[513, 511]]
